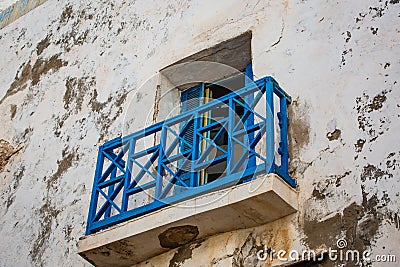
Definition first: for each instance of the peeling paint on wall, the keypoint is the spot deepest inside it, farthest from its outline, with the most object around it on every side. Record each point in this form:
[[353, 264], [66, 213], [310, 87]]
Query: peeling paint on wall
[[68, 68], [33, 73]]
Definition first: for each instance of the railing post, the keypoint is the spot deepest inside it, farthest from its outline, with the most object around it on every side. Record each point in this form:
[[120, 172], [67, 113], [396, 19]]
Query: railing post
[[269, 94], [95, 194], [160, 169], [249, 79], [110, 191], [128, 174], [231, 125], [195, 151], [283, 144]]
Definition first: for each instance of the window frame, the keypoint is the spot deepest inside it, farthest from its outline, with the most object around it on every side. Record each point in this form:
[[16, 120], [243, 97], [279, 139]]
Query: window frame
[[200, 178]]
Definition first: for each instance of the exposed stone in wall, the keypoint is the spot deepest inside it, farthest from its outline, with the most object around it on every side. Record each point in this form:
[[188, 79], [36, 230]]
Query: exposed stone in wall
[[237, 248], [6, 151], [246, 255], [183, 254], [334, 135], [178, 236]]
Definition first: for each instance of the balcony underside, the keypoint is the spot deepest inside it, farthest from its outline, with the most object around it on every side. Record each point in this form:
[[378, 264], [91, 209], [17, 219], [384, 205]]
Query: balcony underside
[[251, 204]]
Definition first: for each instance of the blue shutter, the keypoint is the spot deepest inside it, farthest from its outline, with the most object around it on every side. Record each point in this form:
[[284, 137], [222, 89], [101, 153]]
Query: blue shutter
[[250, 119], [191, 99]]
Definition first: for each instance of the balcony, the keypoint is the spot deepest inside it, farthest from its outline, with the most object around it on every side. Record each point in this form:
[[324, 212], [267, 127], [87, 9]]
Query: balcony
[[157, 178]]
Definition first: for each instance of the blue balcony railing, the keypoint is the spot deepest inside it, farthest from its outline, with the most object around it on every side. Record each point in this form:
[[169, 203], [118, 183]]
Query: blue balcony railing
[[159, 166]]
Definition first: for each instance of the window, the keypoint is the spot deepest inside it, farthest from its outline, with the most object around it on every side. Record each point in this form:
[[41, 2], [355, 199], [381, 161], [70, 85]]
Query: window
[[201, 94], [221, 69]]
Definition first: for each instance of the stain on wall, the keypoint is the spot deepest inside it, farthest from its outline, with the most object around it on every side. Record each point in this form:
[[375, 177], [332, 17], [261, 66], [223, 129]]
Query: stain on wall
[[76, 89], [33, 73], [42, 45], [298, 135], [366, 107], [47, 217]]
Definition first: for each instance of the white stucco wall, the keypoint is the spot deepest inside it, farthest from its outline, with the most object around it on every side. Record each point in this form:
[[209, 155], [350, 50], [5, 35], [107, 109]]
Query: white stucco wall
[[70, 69]]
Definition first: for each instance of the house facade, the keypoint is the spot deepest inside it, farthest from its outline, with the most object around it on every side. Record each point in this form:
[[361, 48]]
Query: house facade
[[200, 133]]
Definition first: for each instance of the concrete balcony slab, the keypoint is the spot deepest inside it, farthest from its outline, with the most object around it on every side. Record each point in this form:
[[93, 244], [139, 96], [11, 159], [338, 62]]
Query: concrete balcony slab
[[251, 204]]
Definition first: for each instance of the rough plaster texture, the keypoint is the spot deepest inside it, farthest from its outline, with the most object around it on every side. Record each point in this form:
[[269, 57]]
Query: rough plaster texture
[[12, 10], [69, 69]]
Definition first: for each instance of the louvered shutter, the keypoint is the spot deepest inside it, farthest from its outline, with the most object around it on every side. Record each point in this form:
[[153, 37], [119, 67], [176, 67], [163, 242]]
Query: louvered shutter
[[191, 99]]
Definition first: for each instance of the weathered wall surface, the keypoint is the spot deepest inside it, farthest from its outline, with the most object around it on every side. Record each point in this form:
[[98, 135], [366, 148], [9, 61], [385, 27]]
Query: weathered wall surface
[[12, 10], [69, 70]]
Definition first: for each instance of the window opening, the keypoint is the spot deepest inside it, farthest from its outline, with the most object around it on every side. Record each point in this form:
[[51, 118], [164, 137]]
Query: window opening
[[199, 95]]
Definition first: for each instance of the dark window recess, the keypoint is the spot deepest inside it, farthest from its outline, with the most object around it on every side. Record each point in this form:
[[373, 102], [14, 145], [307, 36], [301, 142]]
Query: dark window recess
[[202, 94], [218, 81]]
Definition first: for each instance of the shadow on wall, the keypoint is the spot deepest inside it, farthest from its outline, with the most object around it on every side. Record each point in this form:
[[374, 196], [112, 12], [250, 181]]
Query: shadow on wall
[[298, 136]]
